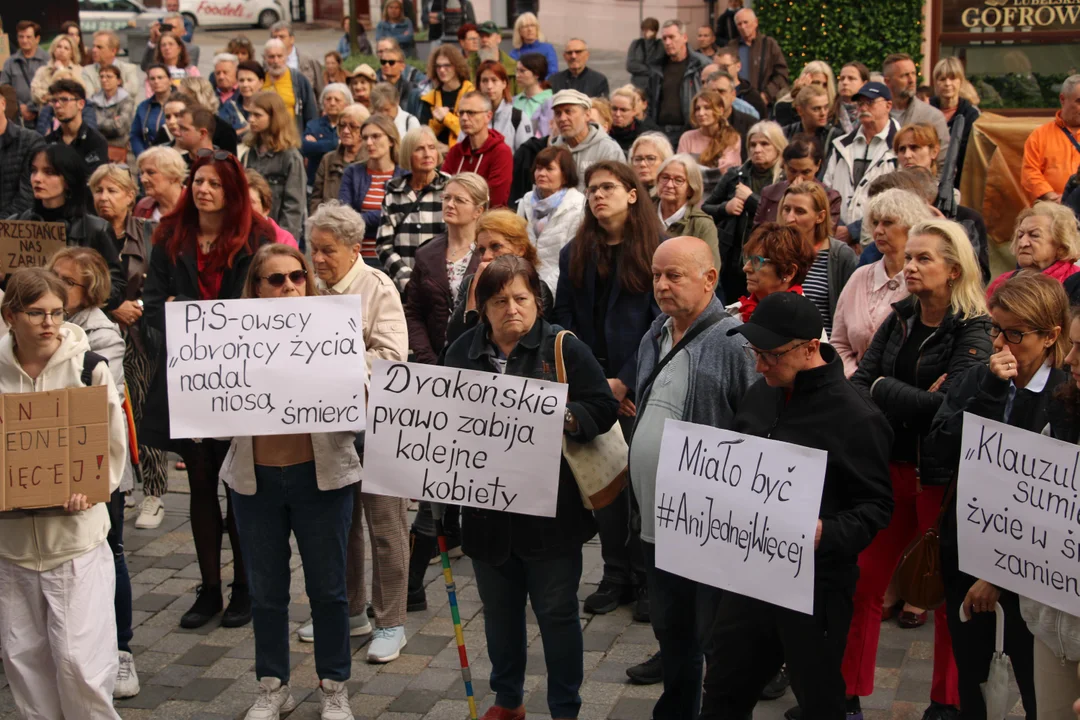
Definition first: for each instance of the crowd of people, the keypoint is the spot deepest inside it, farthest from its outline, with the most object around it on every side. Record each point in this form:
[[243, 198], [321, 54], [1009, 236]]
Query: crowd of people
[[728, 247]]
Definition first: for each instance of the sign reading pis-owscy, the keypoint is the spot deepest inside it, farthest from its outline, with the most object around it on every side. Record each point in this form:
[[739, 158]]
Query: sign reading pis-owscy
[[464, 437], [271, 366], [739, 512], [1017, 512]]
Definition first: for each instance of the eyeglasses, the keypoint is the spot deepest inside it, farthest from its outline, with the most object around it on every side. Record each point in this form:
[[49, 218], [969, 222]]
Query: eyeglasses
[[471, 113], [389, 63], [37, 317], [63, 100], [455, 200], [769, 358], [675, 181], [573, 52], [605, 188], [351, 127], [70, 283], [1013, 337], [866, 102], [645, 159], [208, 152], [373, 137], [443, 66], [296, 277], [756, 262]]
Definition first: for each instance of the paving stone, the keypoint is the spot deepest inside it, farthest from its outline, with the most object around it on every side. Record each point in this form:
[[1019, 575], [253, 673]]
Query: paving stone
[[423, 644], [229, 668], [890, 657], [152, 602], [610, 671], [913, 691], [448, 710], [387, 684], [176, 561], [369, 706], [598, 641], [436, 679], [632, 709], [176, 675], [202, 655], [176, 642], [203, 689], [407, 665], [149, 697], [415, 701]]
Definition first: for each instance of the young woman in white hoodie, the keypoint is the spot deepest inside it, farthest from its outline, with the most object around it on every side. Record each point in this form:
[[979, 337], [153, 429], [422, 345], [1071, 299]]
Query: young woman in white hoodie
[[57, 628]]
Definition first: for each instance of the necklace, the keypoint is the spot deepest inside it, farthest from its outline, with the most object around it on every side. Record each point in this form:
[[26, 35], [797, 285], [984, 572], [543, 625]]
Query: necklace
[[453, 254]]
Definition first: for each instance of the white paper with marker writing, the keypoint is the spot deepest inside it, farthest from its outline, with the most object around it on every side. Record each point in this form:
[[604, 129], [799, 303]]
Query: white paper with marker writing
[[1018, 512], [464, 437], [739, 512], [268, 366]]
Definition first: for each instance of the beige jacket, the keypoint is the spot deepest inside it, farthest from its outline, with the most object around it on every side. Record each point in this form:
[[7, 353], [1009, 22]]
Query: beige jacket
[[385, 337]]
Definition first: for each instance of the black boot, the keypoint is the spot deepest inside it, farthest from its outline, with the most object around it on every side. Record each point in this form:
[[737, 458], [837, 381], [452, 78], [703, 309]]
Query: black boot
[[422, 548], [207, 605], [238, 613]]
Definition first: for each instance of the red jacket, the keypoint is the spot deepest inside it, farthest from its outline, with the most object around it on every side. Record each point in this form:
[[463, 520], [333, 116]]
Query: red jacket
[[494, 162]]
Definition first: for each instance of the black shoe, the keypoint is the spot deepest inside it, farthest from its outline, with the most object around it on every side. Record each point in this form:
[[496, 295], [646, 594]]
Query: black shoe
[[940, 711], [793, 713], [641, 607], [238, 613], [207, 605], [649, 672], [777, 686], [608, 597]]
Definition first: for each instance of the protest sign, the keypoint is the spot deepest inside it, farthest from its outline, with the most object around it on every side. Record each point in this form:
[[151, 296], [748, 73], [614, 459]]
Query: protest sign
[[464, 437], [739, 512], [1017, 513], [27, 243], [271, 366], [56, 443]]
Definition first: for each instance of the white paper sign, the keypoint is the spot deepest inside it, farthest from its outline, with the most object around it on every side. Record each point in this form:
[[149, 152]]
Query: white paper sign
[[464, 437], [739, 512], [1017, 512], [271, 366]]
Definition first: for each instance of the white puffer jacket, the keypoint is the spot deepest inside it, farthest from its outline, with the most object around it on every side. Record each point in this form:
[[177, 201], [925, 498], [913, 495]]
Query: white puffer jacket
[[560, 230]]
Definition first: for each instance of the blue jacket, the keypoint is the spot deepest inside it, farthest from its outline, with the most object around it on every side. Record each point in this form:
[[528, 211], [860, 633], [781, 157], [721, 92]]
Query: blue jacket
[[344, 48], [230, 113], [148, 121], [326, 140], [628, 318], [401, 31], [354, 186], [545, 49]]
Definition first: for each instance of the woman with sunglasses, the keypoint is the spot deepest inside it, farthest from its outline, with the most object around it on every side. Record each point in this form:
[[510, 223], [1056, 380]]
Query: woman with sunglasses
[[1030, 319], [202, 251], [919, 352], [58, 633], [273, 148]]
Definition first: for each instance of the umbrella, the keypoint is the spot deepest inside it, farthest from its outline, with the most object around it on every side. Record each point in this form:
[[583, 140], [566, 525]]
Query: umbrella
[[996, 688]]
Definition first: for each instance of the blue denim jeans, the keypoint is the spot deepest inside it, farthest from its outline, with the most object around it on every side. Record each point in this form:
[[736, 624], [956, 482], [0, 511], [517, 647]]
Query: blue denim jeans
[[551, 585], [288, 500], [122, 596]]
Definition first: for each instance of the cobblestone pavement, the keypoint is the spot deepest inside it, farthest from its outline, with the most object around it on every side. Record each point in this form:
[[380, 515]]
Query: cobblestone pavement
[[208, 674]]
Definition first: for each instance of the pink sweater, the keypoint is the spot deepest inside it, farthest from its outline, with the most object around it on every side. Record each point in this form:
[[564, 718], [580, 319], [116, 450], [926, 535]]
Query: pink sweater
[[1061, 271], [695, 142], [864, 303]]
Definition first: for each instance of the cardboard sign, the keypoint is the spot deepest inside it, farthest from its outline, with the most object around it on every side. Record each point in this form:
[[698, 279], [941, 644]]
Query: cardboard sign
[[464, 437], [271, 366], [55, 444], [739, 512], [1017, 513], [27, 243]]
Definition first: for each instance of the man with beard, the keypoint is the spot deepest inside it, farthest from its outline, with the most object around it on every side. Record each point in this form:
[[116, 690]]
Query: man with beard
[[902, 77], [294, 88]]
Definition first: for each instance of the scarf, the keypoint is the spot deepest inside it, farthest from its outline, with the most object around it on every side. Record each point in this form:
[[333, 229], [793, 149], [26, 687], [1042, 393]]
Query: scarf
[[544, 208], [748, 303]]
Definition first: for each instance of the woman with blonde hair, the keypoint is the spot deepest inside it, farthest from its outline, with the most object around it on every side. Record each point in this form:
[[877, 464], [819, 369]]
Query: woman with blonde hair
[[600, 113], [63, 55], [625, 125], [815, 72], [648, 151], [955, 97], [715, 143], [1046, 239], [273, 148], [350, 149], [450, 82], [162, 173], [528, 38], [680, 190]]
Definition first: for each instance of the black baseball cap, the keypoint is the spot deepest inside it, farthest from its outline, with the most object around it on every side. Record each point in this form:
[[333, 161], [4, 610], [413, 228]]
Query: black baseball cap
[[780, 318], [873, 91]]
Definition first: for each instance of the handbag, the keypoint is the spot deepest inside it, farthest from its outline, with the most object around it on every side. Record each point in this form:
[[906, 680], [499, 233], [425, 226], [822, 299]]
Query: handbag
[[918, 575], [600, 465]]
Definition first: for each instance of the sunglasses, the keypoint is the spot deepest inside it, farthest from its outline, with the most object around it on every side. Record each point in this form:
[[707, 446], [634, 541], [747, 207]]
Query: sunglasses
[[216, 154], [391, 63], [296, 277]]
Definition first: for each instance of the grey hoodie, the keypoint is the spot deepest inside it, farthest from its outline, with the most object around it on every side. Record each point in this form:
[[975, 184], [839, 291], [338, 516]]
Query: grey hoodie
[[596, 146]]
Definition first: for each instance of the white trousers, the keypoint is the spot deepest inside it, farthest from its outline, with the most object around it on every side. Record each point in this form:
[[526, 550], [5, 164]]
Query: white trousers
[[58, 637]]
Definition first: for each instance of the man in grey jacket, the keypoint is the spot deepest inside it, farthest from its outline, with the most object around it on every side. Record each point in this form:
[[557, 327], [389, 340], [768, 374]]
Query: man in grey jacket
[[19, 69], [674, 82], [587, 143], [902, 79], [701, 382]]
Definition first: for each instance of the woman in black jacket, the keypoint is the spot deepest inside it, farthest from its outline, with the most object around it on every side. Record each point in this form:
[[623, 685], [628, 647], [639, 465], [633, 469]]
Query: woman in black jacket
[[515, 555], [58, 177], [202, 251], [934, 335], [1030, 316], [953, 95]]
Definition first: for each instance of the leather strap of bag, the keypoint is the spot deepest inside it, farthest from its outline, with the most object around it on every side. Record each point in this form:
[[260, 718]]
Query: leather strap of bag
[[560, 364], [945, 502]]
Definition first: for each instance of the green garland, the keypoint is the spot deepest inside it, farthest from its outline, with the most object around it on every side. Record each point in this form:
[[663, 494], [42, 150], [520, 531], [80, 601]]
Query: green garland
[[839, 32]]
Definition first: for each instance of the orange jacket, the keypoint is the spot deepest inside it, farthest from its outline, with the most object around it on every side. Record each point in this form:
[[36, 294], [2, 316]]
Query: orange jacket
[[1049, 160]]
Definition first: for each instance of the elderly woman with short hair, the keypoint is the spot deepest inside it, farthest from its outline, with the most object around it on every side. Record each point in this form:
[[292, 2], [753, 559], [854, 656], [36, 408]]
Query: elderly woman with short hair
[[1046, 239], [680, 190], [553, 209], [648, 151], [162, 173], [335, 234], [350, 149], [321, 134]]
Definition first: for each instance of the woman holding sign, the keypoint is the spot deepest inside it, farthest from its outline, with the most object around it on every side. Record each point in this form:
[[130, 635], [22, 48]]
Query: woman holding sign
[[57, 626], [919, 351], [202, 251], [1029, 315], [525, 556]]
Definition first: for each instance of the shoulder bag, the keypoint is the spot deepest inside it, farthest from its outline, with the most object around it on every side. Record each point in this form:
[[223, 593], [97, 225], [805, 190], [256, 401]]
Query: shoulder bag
[[918, 575]]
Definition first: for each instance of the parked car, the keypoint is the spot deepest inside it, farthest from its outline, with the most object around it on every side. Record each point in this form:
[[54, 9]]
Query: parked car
[[257, 13], [118, 15]]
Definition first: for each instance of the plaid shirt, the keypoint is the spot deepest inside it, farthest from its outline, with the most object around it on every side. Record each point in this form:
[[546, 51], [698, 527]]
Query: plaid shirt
[[17, 148], [408, 221]]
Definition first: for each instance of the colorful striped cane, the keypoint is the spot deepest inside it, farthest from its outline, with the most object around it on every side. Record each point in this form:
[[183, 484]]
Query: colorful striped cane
[[451, 591]]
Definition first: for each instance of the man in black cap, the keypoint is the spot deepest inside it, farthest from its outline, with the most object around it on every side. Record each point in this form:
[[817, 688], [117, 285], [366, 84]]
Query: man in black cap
[[804, 399]]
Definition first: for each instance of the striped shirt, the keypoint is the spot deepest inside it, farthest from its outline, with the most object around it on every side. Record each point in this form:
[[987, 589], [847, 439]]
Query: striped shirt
[[816, 287], [373, 201], [409, 219]]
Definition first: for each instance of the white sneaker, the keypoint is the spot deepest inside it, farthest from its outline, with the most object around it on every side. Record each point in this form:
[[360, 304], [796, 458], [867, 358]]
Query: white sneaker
[[151, 514], [127, 680], [335, 701], [358, 625], [129, 500], [274, 699], [387, 644]]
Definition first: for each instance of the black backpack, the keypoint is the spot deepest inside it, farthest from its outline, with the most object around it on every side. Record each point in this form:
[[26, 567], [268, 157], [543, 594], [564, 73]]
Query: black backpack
[[90, 361]]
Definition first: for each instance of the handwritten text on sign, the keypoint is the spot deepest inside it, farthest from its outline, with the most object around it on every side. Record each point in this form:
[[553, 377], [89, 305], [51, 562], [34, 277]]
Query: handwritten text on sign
[[739, 512], [272, 366], [26, 243], [1017, 512], [464, 437]]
